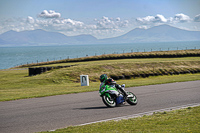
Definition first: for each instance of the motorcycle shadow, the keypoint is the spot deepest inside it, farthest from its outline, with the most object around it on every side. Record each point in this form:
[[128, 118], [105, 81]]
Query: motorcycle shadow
[[103, 107]]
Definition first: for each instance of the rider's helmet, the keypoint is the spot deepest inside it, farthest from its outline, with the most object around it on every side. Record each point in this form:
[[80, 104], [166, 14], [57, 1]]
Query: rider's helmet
[[110, 81], [103, 77]]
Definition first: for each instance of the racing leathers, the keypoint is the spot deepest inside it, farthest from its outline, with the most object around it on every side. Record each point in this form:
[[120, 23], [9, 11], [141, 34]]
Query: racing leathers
[[110, 81]]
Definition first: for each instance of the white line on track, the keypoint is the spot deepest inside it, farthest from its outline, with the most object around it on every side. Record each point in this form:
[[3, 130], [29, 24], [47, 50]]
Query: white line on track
[[140, 114], [145, 113]]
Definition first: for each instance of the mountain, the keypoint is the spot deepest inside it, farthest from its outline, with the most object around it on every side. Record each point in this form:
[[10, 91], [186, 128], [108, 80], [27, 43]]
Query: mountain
[[162, 33], [41, 37], [2, 41]]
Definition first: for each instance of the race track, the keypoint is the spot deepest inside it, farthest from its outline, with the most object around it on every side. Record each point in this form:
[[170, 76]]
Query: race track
[[49, 113]]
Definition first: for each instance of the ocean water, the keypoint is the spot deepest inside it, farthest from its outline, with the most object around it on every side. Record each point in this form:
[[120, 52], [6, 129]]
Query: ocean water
[[14, 56]]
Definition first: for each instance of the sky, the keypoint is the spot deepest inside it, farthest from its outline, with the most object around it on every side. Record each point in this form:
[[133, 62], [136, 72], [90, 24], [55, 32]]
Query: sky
[[100, 18]]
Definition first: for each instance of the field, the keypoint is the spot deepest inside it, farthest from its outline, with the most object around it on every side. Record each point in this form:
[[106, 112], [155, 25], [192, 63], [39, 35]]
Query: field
[[16, 84]]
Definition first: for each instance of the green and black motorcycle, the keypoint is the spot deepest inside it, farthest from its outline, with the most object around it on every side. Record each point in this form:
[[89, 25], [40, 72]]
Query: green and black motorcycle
[[112, 97]]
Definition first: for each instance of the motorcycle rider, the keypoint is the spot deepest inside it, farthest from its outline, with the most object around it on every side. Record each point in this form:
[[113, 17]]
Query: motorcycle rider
[[109, 81]]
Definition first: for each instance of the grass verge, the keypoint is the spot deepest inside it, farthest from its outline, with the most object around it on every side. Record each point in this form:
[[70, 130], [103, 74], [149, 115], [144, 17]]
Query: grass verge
[[180, 121], [16, 84], [35, 86]]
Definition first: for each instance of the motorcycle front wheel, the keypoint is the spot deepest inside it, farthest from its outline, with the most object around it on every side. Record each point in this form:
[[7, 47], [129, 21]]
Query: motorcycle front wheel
[[109, 102], [132, 100]]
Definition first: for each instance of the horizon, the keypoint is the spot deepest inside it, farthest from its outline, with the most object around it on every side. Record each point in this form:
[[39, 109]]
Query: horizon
[[94, 36], [100, 18]]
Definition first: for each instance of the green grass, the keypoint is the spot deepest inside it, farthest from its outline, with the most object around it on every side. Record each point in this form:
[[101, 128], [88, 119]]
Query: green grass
[[178, 121], [16, 84], [127, 67]]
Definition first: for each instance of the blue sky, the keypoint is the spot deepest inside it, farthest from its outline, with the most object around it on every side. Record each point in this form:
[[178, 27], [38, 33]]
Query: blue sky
[[100, 18]]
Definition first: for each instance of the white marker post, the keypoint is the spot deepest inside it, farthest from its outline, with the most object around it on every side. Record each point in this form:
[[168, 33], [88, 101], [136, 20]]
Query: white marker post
[[84, 80]]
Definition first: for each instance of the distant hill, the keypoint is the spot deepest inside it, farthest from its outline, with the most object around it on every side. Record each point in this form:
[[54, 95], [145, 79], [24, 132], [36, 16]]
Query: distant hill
[[41, 37], [162, 33], [2, 41], [85, 38]]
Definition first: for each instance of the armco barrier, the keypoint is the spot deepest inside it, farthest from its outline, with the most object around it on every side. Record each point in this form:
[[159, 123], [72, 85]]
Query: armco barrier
[[31, 71], [38, 70]]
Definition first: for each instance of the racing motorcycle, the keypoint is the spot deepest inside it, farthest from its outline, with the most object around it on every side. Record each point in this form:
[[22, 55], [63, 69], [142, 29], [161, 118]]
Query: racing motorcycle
[[112, 97]]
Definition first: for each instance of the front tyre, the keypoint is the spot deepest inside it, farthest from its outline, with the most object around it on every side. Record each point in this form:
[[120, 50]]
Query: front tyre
[[108, 101], [132, 100]]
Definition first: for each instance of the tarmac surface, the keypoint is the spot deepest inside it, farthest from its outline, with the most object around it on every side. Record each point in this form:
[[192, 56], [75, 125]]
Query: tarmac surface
[[53, 112]]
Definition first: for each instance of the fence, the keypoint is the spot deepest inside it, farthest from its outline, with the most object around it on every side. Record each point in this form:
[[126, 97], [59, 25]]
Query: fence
[[119, 52]]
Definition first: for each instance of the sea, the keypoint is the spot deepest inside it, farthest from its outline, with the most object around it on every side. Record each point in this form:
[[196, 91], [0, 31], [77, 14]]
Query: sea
[[15, 56]]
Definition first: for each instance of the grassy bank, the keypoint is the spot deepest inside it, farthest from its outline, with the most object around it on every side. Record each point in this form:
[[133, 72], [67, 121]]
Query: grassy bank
[[16, 84], [180, 121]]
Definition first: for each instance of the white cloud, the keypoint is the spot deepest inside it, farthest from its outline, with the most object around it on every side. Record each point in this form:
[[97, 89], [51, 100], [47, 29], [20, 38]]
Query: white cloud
[[197, 18], [178, 18], [30, 20], [146, 19], [151, 19], [118, 19], [181, 18], [160, 18], [109, 23], [72, 22], [49, 14], [59, 24], [143, 27]]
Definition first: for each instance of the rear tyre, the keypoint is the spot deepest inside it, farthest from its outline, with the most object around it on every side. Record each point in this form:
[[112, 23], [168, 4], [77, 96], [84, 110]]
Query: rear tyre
[[109, 102], [132, 100]]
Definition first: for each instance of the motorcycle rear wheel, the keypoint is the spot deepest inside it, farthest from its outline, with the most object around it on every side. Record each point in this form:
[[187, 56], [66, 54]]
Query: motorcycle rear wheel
[[132, 100], [109, 102]]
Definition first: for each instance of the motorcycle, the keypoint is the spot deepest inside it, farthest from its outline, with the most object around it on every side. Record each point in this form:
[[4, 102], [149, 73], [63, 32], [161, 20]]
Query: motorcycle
[[112, 97]]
